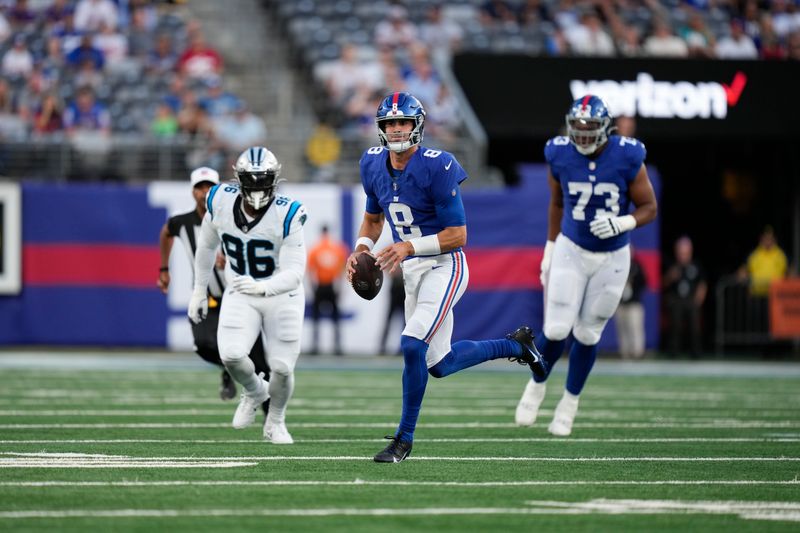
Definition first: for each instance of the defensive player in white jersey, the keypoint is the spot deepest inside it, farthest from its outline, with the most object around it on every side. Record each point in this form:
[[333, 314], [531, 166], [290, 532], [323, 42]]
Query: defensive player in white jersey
[[417, 189], [593, 178], [262, 238]]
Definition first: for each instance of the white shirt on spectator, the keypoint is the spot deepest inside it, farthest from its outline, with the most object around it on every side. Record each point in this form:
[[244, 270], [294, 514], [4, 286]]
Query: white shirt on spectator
[[17, 62], [587, 42], [742, 48], [671, 46], [91, 15]]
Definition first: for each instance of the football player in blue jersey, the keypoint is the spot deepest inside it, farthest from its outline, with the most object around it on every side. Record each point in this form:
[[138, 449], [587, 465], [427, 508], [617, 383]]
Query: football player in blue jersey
[[417, 190], [593, 178]]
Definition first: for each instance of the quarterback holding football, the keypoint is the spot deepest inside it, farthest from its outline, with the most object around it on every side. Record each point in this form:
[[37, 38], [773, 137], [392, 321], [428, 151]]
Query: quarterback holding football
[[416, 189]]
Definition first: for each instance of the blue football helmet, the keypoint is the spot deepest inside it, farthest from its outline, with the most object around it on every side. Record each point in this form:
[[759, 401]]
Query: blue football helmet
[[257, 170], [588, 121], [400, 106]]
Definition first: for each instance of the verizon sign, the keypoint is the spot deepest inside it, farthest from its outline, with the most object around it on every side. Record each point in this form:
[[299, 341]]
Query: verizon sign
[[648, 98]]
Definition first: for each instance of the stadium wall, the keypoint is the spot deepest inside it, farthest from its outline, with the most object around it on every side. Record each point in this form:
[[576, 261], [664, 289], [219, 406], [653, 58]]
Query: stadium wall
[[90, 262]]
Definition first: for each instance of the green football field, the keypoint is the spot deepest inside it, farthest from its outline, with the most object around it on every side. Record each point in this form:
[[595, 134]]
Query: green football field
[[148, 447]]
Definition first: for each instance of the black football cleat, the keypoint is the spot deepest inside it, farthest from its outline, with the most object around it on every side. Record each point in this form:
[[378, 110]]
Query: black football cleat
[[530, 355], [227, 388], [394, 452]]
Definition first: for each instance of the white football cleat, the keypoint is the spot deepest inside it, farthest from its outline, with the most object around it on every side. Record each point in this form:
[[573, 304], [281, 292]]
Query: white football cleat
[[564, 415], [277, 433], [528, 406], [248, 405]]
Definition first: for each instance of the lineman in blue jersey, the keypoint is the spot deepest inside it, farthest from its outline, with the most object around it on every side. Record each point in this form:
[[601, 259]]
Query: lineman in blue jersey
[[262, 237], [417, 190], [593, 179]]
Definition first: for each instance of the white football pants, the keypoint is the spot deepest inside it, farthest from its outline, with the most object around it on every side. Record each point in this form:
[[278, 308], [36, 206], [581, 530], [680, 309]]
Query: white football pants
[[583, 290], [433, 286]]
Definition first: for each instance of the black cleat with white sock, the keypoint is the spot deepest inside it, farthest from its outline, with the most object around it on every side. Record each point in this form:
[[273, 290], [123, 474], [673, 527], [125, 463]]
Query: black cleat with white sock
[[530, 355], [395, 452]]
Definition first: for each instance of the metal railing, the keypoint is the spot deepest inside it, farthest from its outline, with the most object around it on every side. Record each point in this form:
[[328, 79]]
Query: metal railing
[[742, 319]]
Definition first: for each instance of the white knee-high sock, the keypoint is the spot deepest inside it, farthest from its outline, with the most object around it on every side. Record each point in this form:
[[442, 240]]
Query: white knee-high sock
[[281, 387]]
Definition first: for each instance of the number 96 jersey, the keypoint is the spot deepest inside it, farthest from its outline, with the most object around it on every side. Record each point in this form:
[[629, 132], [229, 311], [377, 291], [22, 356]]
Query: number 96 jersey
[[594, 187], [252, 247]]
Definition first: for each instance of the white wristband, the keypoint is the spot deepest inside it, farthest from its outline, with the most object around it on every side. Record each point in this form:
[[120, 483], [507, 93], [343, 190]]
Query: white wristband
[[428, 245], [626, 223], [366, 241]]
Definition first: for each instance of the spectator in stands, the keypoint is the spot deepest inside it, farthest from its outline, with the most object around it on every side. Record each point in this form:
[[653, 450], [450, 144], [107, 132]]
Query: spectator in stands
[[566, 14], [88, 76], [629, 318], [113, 45], [88, 124], [326, 261], [588, 38], [784, 19], [629, 41], [685, 292], [626, 126], [699, 39], [200, 61], [56, 12], [323, 149], [444, 117], [240, 129], [533, 12], [664, 43], [193, 120], [343, 75], [769, 45], [140, 35], [174, 96], [397, 31], [218, 102], [793, 46], [66, 32], [440, 33], [86, 51], [556, 44], [737, 45], [18, 60], [91, 15], [420, 77], [5, 28], [765, 264], [12, 125], [85, 114], [497, 12], [49, 117], [164, 124], [162, 59], [20, 15]]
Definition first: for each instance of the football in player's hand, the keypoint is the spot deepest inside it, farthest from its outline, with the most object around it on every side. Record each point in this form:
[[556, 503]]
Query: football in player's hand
[[367, 280]]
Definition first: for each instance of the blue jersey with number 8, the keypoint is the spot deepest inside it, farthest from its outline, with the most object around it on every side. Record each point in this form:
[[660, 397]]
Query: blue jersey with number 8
[[594, 187], [422, 199]]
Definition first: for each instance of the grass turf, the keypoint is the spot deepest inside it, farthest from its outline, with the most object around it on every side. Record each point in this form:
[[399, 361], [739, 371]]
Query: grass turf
[[655, 453]]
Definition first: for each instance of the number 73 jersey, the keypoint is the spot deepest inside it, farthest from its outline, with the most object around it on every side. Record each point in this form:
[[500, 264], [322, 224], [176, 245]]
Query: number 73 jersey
[[252, 248], [594, 187]]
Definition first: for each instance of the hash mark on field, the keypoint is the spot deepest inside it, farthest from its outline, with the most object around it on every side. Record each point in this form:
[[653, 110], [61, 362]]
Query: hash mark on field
[[84, 460]]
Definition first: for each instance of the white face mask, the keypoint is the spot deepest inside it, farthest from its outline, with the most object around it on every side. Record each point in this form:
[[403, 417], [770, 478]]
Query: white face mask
[[256, 199]]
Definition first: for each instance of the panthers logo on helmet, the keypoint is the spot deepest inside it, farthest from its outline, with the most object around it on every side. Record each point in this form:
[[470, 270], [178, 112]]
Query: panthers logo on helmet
[[588, 120], [257, 170], [396, 106]]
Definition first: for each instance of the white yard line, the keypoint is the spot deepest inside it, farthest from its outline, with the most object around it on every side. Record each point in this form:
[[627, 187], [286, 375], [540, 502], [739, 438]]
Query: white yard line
[[560, 440], [718, 424], [8, 459], [358, 482], [786, 511]]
